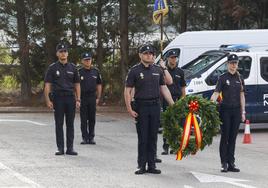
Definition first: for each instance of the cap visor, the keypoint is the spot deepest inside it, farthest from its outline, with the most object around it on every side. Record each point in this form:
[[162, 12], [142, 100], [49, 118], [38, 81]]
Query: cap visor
[[148, 51]]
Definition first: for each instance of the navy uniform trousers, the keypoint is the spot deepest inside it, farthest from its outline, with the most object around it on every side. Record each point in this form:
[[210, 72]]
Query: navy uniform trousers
[[88, 117], [147, 124], [64, 105], [231, 118]]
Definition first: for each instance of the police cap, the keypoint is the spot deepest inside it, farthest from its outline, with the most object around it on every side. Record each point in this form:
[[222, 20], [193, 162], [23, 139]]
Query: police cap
[[61, 46], [232, 58], [146, 48], [86, 55], [172, 53]]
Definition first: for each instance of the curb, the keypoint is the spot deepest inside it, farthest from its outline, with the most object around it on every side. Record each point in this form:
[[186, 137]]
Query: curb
[[27, 109]]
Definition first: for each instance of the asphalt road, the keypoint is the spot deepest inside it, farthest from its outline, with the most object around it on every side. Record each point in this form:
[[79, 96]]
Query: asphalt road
[[27, 146]]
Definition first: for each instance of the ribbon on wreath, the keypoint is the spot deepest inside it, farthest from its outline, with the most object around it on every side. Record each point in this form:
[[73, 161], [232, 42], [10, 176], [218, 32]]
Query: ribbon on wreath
[[190, 122]]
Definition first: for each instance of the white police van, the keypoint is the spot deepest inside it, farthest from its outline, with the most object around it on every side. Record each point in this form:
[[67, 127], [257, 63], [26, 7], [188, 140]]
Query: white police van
[[202, 73], [190, 44]]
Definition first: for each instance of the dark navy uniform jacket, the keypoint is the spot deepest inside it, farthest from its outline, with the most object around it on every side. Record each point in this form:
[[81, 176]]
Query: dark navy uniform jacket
[[178, 81], [230, 86], [146, 80], [62, 77], [89, 79]]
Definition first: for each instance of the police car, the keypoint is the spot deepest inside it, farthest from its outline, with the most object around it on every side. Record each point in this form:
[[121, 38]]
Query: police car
[[202, 73]]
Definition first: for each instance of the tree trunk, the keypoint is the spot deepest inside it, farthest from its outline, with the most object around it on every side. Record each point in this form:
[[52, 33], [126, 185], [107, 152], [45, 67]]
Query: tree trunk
[[51, 27], [23, 51], [124, 49], [100, 54], [216, 17], [183, 19], [73, 23]]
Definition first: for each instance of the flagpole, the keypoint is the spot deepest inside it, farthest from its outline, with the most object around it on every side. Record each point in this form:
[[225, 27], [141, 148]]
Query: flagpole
[[161, 37]]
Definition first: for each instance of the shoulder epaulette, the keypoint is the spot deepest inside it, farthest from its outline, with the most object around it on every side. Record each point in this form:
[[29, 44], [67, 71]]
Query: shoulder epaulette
[[73, 64], [135, 66], [52, 64], [95, 68], [157, 65], [223, 74]]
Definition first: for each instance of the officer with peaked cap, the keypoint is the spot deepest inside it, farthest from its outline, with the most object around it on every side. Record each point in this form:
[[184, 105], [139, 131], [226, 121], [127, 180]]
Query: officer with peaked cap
[[62, 81], [232, 111], [148, 81], [177, 88], [90, 95]]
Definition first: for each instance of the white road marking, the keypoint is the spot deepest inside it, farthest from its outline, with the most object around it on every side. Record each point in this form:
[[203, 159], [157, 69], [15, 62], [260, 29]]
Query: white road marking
[[208, 178], [187, 186], [22, 120], [19, 176]]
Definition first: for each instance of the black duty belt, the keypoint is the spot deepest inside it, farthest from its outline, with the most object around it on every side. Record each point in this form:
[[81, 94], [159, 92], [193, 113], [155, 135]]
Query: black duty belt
[[88, 94], [230, 106], [147, 101], [63, 93]]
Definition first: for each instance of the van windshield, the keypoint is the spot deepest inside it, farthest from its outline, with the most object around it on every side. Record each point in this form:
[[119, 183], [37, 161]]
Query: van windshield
[[199, 65]]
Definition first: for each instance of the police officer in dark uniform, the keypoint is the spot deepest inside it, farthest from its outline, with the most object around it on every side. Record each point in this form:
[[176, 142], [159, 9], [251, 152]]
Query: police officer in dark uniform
[[232, 111], [177, 88], [62, 93], [90, 80], [148, 81]]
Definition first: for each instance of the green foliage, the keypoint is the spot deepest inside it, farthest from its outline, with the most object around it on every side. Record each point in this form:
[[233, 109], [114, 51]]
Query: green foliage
[[9, 82], [5, 55], [81, 17], [173, 121]]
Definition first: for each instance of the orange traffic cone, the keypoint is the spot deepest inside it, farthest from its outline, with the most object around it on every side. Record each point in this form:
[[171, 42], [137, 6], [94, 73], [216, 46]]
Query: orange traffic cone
[[247, 136]]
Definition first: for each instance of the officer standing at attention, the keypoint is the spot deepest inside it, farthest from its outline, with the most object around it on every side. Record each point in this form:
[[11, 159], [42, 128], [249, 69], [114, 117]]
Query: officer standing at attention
[[90, 80], [177, 88], [62, 83], [232, 111], [148, 81]]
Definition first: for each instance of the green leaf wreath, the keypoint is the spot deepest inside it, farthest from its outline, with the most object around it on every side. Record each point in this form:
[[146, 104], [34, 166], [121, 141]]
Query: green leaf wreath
[[173, 122]]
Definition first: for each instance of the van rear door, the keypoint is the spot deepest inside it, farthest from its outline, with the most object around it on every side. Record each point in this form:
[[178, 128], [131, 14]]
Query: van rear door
[[249, 71], [262, 90]]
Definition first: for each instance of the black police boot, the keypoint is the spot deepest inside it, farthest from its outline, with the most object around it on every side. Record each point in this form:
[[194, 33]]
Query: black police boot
[[165, 152], [84, 141], [171, 151], [59, 152], [224, 167], [154, 171], [232, 168], [71, 152], [92, 141], [157, 160], [140, 170]]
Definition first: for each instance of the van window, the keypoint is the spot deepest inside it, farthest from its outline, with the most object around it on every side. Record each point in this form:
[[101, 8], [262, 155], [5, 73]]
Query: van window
[[243, 68], [201, 64], [264, 68], [212, 79]]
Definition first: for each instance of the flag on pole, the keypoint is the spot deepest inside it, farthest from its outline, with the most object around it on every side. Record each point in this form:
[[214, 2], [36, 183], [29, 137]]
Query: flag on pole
[[160, 8]]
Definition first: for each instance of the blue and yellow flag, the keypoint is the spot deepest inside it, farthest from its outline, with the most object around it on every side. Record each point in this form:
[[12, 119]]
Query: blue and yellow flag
[[160, 8]]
